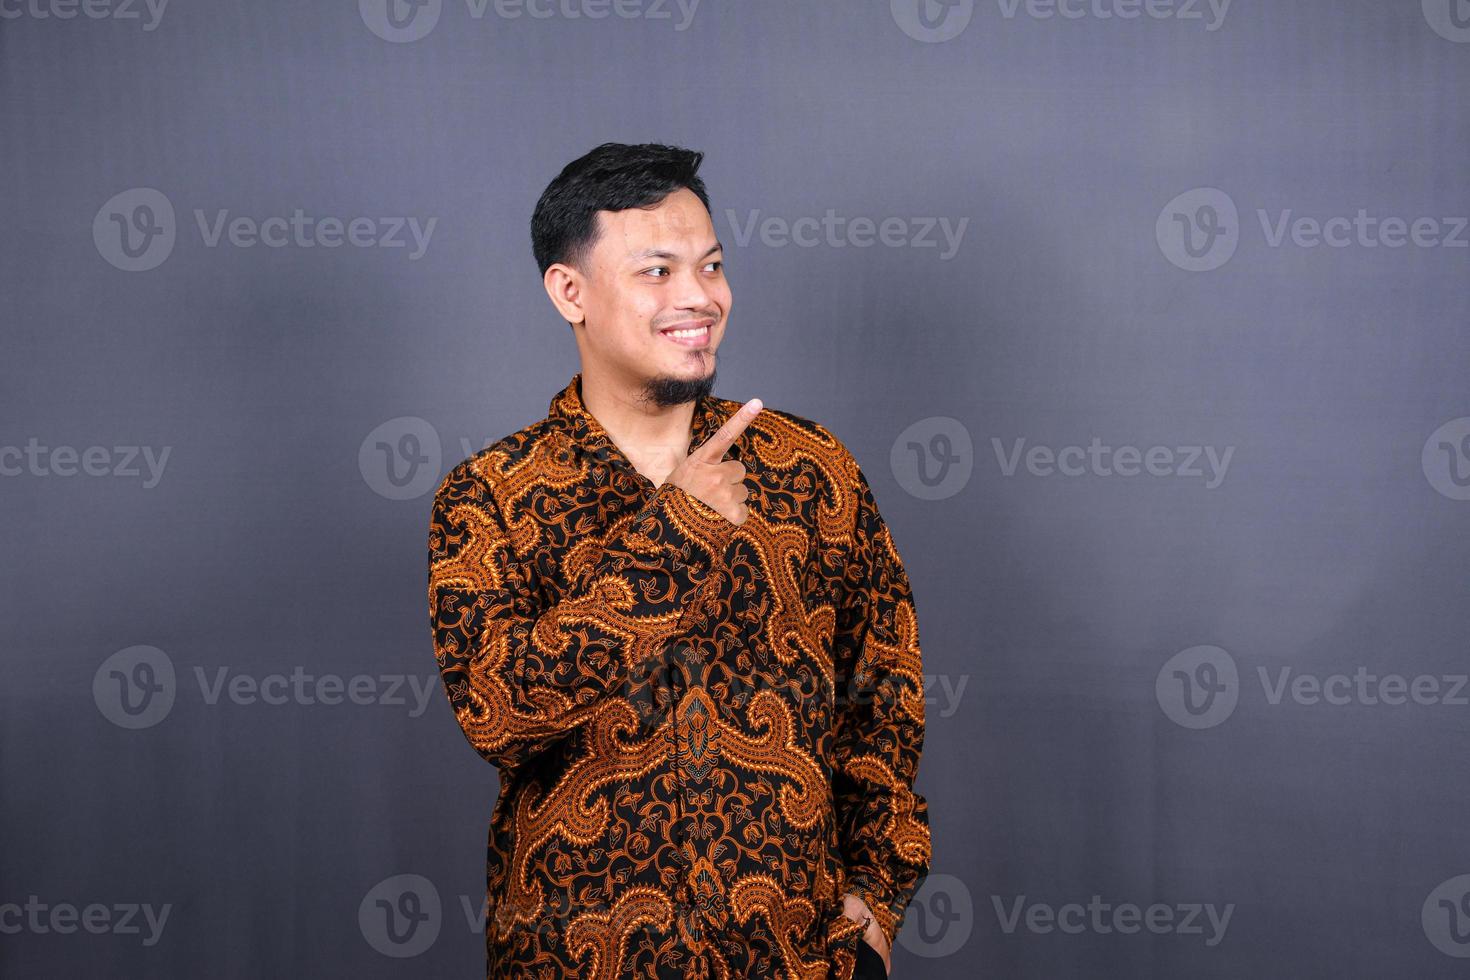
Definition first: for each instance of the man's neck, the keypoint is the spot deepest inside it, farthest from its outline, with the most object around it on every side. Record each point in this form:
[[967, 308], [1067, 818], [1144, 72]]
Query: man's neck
[[655, 438]]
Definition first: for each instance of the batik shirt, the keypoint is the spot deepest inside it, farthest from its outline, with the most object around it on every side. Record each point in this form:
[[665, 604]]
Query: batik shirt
[[705, 732]]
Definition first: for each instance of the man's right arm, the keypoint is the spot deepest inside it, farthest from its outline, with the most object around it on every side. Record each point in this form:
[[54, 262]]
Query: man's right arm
[[521, 672]]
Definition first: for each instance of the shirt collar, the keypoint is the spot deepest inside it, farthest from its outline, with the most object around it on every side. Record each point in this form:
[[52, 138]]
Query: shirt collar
[[569, 414]]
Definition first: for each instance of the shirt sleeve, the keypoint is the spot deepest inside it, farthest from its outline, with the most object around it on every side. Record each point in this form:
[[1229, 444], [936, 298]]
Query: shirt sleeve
[[523, 672], [883, 824]]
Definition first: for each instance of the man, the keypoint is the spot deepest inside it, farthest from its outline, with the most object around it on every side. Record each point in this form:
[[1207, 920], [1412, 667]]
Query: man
[[680, 629]]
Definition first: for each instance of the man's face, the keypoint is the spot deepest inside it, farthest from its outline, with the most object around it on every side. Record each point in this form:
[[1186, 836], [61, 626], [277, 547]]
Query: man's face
[[652, 272]]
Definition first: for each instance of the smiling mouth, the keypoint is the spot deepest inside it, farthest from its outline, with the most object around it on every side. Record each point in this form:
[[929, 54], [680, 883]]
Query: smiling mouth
[[688, 336]]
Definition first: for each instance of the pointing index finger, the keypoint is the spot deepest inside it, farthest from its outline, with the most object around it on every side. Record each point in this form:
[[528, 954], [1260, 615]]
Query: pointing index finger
[[713, 450]]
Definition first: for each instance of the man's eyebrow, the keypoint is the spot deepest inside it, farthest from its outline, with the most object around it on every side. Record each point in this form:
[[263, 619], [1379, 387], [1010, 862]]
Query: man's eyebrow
[[655, 253]]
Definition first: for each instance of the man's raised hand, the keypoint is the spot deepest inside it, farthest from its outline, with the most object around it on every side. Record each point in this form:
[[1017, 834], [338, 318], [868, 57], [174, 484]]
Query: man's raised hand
[[706, 474]]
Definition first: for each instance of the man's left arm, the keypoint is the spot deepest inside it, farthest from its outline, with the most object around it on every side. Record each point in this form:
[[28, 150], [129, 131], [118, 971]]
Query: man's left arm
[[883, 825]]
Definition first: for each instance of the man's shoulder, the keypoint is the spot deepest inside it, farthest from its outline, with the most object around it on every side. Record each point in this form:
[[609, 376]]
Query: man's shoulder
[[812, 437], [490, 464]]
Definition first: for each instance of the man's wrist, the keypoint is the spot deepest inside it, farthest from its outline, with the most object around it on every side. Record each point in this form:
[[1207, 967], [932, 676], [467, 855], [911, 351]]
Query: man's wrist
[[873, 930], [883, 918]]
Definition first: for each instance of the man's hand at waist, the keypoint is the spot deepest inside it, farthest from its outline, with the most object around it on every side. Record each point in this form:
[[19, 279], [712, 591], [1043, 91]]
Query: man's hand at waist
[[857, 910]]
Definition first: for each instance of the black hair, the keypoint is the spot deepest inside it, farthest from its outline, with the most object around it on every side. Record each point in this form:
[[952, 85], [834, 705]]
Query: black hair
[[611, 177]]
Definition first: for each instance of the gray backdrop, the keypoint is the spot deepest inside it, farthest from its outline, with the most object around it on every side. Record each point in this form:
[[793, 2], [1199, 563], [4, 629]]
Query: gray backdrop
[[1145, 317]]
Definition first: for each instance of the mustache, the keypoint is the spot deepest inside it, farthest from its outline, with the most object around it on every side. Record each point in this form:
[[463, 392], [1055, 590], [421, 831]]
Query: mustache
[[715, 317]]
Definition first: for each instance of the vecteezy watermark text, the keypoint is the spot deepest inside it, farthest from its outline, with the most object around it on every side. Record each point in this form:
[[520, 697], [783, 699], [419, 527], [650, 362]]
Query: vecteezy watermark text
[[136, 229], [1098, 459], [935, 21], [37, 459], [1210, 12], [1104, 918], [404, 21], [839, 231], [1200, 230], [90, 9], [1201, 686], [64, 918], [136, 688]]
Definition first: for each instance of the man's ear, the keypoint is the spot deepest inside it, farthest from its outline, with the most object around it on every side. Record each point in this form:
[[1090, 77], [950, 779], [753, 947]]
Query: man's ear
[[565, 285]]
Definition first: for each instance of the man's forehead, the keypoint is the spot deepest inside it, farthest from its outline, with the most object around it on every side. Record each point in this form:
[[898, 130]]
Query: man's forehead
[[668, 214], [637, 233]]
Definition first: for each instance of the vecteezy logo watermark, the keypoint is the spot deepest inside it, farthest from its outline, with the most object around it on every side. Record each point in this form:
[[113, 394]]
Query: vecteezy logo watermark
[[137, 687], [401, 916], [35, 459], [1097, 459], [1446, 459], [1450, 19], [1199, 230], [933, 458], [400, 459], [135, 230], [91, 9], [933, 21], [402, 21], [1200, 687], [64, 918], [838, 231], [939, 918], [1445, 916], [1105, 918]]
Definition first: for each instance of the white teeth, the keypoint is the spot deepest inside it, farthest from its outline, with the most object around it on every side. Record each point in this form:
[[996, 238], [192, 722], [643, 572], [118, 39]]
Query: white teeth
[[695, 332]]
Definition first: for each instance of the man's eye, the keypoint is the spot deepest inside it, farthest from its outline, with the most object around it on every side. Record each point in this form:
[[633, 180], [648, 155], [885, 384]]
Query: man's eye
[[715, 266], [658, 268]]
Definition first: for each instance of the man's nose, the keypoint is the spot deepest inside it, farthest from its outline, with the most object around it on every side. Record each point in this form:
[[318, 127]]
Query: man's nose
[[692, 292]]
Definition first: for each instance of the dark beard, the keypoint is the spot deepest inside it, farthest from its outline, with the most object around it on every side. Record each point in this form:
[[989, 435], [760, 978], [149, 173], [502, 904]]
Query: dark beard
[[667, 392]]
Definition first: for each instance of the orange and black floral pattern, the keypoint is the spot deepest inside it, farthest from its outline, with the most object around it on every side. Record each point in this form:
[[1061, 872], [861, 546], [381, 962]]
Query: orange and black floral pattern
[[705, 733]]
